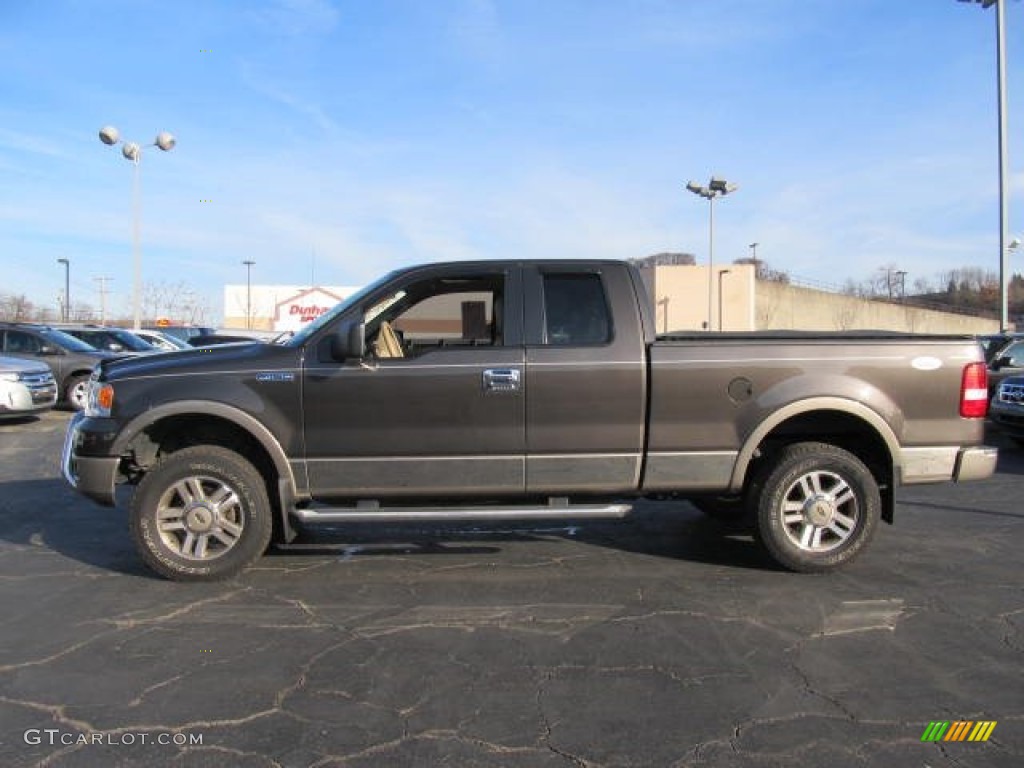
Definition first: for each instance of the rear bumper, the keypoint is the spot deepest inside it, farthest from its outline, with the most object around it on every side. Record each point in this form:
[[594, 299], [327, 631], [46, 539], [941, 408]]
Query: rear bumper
[[942, 464], [976, 463]]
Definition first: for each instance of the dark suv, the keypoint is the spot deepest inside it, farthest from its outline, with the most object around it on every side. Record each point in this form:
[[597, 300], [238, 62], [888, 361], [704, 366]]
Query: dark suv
[[70, 359]]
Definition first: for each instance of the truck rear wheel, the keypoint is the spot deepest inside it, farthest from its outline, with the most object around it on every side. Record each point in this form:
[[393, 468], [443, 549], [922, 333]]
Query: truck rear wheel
[[201, 514], [817, 507]]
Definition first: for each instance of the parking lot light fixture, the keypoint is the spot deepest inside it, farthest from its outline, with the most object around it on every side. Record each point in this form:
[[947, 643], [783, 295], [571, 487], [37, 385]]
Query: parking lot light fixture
[[1004, 171], [66, 306], [248, 292], [717, 187], [132, 151]]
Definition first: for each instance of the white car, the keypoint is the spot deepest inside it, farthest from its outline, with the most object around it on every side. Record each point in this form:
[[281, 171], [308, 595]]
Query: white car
[[165, 342], [26, 388]]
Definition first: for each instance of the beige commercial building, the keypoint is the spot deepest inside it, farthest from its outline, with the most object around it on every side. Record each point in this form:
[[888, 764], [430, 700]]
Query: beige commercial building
[[729, 298], [685, 298]]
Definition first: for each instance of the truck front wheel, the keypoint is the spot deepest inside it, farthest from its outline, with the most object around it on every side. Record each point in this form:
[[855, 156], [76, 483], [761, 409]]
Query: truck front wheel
[[201, 514], [817, 507]]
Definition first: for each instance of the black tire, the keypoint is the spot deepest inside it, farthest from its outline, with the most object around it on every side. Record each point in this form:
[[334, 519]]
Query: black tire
[[215, 514], [75, 392], [817, 507]]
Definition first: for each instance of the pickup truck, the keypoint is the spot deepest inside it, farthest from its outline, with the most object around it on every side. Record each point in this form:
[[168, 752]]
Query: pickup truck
[[529, 390]]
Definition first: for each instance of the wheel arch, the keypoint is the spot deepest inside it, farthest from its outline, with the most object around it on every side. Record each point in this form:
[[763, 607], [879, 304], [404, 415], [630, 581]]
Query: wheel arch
[[170, 427], [848, 424]]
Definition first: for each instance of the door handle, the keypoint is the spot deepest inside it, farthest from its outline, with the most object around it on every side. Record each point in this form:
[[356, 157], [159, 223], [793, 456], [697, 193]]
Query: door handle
[[501, 380]]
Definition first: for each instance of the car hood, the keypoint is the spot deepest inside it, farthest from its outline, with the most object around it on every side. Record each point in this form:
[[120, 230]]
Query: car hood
[[242, 357], [17, 365]]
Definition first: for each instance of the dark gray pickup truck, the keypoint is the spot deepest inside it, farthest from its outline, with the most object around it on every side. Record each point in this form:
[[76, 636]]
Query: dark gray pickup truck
[[523, 390]]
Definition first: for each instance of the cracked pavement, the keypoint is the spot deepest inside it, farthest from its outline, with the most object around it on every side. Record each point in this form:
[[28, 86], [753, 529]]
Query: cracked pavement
[[663, 640]]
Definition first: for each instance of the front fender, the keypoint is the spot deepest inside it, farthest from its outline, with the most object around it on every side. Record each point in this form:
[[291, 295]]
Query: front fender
[[240, 418]]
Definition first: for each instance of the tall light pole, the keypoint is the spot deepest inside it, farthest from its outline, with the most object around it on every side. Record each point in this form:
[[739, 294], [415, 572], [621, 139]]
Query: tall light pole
[[66, 313], [716, 188], [248, 293], [132, 151], [1004, 173]]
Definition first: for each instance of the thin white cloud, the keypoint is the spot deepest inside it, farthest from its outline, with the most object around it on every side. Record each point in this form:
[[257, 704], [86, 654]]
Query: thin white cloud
[[300, 17], [476, 31]]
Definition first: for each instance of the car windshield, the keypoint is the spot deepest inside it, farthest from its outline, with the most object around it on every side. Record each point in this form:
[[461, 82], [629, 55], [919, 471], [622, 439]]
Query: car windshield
[[67, 341], [340, 308]]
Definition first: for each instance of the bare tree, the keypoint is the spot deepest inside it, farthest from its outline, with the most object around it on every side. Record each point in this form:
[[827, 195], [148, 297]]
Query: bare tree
[[175, 301], [15, 308], [764, 272], [666, 260]]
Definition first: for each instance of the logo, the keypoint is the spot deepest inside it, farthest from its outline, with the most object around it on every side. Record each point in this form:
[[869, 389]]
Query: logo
[[960, 730]]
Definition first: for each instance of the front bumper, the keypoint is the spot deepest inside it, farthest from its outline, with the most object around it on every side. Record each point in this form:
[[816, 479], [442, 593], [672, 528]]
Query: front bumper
[[92, 476], [18, 399], [1008, 418]]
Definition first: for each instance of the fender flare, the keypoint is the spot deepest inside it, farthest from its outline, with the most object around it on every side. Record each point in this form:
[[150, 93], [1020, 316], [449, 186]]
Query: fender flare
[[221, 410], [800, 407]]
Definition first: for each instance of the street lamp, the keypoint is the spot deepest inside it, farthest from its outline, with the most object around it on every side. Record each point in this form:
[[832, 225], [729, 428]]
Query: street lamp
[[66, 313], [248, 293], [132, 151], [716, 188], [1004, 173]]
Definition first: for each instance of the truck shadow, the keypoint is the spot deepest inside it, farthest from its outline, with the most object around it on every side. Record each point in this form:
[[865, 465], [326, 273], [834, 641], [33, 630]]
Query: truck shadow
[[45, 514], [672, 530]]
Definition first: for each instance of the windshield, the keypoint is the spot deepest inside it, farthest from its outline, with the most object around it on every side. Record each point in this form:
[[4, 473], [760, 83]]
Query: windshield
[[340, 308], [67, 341]]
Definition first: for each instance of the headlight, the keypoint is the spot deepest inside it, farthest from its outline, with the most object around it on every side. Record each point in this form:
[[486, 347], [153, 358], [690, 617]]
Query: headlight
[[99, 400], [10, 377]]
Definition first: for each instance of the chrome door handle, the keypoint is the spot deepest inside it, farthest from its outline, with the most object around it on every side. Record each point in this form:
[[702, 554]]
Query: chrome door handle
[[501, 380]]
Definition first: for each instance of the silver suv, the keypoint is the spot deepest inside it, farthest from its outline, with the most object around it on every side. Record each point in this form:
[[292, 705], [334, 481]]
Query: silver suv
[[26, 388]]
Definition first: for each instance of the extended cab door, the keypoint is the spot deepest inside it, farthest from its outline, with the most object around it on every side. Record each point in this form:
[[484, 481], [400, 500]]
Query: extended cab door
[[586, 375], [437, 407]]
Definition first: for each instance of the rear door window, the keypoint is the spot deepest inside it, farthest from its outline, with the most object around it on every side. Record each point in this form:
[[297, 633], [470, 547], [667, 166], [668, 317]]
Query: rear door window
[[576, 310]]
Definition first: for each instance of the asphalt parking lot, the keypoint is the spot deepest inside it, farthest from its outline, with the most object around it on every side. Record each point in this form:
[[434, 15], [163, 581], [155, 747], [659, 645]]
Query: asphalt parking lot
[[659, 641]]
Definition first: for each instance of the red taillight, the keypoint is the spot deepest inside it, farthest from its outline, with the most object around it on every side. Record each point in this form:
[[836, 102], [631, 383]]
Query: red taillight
[[974, 391]]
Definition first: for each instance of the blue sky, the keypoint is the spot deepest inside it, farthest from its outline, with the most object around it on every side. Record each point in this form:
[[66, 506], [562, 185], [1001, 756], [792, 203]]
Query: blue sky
[[336, 140]]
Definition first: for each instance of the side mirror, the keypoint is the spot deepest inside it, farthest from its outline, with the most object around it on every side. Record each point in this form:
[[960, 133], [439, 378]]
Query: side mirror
[[1001, 362], [349, 342], [47, 350], [115, 347]]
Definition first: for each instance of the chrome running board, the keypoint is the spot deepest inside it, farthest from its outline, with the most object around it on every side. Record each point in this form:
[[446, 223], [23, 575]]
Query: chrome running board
[[372, 513]]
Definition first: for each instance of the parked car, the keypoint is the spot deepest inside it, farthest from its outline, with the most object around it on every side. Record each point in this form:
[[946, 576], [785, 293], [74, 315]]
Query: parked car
[[1007, 408], [70, 360], [109, 339], [183, 332], [993, 343], [26, 388], [211, 339], [165, 342], [1009, 362]]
